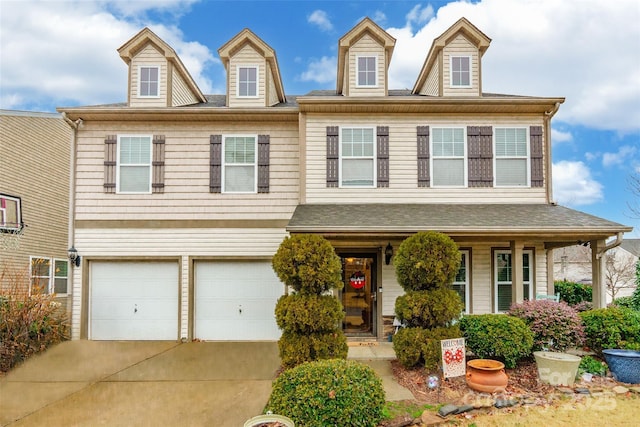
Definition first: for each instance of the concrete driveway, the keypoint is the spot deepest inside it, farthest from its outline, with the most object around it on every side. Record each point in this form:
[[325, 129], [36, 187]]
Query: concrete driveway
[[98, 383]]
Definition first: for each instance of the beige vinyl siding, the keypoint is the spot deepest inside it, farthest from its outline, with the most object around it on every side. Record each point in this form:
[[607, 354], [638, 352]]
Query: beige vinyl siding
[[148, 57], [246, 57], [460, 46], [127, 244], [431, 87], [180, 93], [390, 288], [186, 193], [367, 46], [403, 164], [273, 93]]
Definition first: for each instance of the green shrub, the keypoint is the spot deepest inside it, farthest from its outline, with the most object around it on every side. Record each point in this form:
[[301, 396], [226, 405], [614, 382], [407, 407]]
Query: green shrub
[[329, 393], [308, 264], [612, 327], [426, 260], [555, 326], [624, 302], [308, 313], [418, 346], [592, 366], [573, 293], [497, 335], [429, 309], [296, 349]]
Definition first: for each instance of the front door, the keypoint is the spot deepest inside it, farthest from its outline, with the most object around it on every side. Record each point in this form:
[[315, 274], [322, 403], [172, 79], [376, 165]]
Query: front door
[[358, 295]]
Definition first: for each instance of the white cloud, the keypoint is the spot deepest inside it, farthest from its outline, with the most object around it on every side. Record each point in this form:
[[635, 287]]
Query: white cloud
[[419, 15], [321, 19], [560, 136], [379, 17], [573, 184], [586, 51], [611, 159], [321, 71]]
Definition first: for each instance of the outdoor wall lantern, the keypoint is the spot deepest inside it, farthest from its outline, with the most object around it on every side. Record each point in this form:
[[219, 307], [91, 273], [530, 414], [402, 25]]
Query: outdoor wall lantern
[[73, 256], [388, 253]]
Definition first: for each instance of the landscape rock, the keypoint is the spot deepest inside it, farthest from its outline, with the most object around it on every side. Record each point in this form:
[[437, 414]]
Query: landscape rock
[[635, 390], [447, 409], [402, 421], [428, 418], [464, 408], [505, 403], [620, 389]]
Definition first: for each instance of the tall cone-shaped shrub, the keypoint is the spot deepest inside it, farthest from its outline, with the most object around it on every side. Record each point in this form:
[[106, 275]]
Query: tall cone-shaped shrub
[[308, 317], [426, 265]]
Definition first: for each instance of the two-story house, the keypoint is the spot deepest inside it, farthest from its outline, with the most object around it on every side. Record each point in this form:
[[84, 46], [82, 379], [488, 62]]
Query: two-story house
[[180, 199]]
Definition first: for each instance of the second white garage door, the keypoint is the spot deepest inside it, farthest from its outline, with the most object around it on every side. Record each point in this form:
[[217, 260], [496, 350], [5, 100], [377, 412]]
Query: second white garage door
[[235, 300], [134, 301]]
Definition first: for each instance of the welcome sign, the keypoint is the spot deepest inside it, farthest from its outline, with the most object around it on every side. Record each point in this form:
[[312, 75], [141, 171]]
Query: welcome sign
[[453, 357]]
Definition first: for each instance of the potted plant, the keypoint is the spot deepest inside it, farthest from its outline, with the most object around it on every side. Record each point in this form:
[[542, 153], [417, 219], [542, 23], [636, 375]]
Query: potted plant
[[624, 365]]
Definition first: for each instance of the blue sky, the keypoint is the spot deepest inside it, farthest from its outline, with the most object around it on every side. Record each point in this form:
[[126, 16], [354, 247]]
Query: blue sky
[[63, 53]]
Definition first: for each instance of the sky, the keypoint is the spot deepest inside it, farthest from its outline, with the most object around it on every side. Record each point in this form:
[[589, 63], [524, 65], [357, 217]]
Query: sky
[[63, 53]]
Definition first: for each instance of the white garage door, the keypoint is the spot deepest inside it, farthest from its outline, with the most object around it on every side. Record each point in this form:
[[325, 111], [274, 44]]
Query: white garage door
[[235, 300], [134, 301]]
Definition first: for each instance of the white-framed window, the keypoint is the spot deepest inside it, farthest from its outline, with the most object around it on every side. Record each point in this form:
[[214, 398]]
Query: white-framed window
[[503, 278], [247, 81], [512, 157], [367, 75], [48, 275], [461, 282], [448, 163], [149, 82], [357, 157], [134, 164], [239, 171], [10, 212], [460, 71]]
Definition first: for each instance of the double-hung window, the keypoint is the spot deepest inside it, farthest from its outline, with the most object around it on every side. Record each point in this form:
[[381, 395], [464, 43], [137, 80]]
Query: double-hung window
[[448, 160], [49, 275], [461, 281], [504, 276], [149, 82], [247, 81], [134, 163], [511, 157], [366, 71], [357, 151], [461, 71], [239, 168]]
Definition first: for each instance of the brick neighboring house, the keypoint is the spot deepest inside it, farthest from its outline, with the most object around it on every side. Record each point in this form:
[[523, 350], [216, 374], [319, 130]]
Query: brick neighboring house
[[180, 199], [34, 201], [573, 264]]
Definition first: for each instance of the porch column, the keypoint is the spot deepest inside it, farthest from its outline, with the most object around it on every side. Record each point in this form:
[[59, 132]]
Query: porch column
[[550, 273], [598, 281], [517, 287]]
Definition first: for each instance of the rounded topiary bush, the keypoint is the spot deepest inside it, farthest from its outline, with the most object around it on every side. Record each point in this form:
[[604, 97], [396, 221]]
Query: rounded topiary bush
[[308, 313], [555, 326], [497, 335], [308, 264], [296, 348], [426, 260], [612, 327], [418, 346], [429, 309], [329, 393]]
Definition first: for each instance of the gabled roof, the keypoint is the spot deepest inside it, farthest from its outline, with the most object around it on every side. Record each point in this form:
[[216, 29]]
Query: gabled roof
[[128, 50], [632, 246], [366, 26], [462, 26], [245, 37]]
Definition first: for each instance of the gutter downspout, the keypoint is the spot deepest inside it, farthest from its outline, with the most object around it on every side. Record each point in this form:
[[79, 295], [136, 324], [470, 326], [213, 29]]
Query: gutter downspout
[[72, 198], [548, 115], [611, 245]]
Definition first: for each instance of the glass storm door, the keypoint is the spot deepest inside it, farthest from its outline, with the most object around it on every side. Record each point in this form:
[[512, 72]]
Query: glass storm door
[[358, 295]]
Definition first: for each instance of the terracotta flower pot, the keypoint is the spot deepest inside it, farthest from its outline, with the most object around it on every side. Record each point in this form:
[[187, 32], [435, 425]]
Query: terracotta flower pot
[[486, 375]]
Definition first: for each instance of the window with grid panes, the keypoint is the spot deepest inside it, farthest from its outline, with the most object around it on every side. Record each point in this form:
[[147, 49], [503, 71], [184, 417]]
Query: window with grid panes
[[448, 157], [239, 164], [357, 150], [512, 157]]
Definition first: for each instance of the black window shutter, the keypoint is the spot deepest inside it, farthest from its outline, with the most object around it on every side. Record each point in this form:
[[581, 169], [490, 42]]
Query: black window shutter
[[535, 143], [215, 164], [383, 155], [157, 185], [424, 174], [333, 150], [110, 156], [263, 163], [480, 154]]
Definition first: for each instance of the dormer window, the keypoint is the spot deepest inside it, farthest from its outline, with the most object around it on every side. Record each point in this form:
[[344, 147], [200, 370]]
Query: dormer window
[[149, 81], [461, 71], [367, 71], [248, 81]]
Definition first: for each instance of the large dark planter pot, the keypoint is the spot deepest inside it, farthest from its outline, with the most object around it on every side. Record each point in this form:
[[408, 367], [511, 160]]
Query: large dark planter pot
[[624, 365]]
